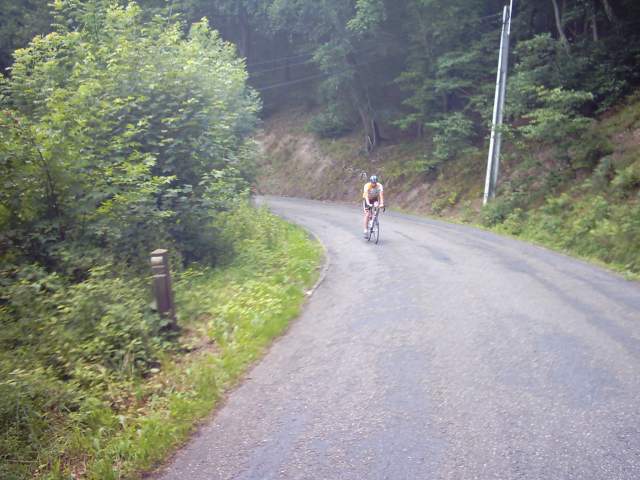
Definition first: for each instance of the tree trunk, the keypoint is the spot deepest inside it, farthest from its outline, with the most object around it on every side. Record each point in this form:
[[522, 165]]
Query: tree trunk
[[363, 105], [244, 43], [369, 126], [609, 11], [594, 21], [561, 34]]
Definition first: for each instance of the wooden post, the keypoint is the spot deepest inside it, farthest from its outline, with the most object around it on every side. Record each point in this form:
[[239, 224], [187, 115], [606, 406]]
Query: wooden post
[[162, 289]]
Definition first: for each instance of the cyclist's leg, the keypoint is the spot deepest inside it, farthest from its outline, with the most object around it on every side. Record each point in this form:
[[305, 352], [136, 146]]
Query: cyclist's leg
[[367, 212], [373, 211]]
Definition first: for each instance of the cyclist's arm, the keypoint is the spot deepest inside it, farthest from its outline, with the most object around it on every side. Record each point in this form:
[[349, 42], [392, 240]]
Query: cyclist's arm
[[365, 194], [381, 196]]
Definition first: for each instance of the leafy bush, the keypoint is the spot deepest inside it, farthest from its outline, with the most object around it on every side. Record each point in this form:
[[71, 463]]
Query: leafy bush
[[116, 136], [453, 136], [590, 225], [102, 325], [556, 118], [61, 343], [496, 212], [74, 357], [514, 222], [332, 123], [33, 400], [107, 141], [447, 201], [587, 153], [626, 181]]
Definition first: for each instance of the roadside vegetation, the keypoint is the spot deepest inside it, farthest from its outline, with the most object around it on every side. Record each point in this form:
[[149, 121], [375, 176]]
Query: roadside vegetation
[[126, 127], [591, 207], [110, 419], [119, 134]]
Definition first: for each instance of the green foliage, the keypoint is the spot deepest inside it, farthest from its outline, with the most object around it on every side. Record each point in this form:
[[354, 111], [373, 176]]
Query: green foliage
[[597, 219], [344, 38], [557, 116], [107, 140], [514, 222], [116, 136], [448, 200], [496, 212], [369, 14], [627, 181], [453, 136], [592, 227], [592, 147], [446, 59], [332, 123], [61, 345], [79, 363], [99, 326]]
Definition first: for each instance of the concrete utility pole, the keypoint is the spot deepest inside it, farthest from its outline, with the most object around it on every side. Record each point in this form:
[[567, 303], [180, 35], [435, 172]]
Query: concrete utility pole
[[498, 107]]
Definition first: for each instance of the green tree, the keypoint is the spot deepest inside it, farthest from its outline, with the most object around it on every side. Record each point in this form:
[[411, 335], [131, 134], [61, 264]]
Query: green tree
[[347, 43], [110, 132], [450, 59]]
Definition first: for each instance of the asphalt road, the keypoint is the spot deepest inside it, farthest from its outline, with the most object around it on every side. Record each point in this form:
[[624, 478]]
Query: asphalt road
[[444, 352]]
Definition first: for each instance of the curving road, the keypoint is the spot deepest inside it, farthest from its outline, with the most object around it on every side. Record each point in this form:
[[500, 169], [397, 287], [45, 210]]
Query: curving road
[[445, 352]]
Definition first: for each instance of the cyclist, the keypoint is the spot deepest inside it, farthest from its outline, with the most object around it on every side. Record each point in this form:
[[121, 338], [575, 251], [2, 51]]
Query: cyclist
[[373, 192]]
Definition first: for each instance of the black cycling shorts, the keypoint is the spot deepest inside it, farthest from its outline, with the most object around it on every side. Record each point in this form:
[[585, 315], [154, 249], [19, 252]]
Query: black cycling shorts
[[371, 201]]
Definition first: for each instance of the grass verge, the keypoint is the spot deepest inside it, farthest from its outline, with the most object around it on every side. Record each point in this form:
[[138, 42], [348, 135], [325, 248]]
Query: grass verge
[[230, 316]]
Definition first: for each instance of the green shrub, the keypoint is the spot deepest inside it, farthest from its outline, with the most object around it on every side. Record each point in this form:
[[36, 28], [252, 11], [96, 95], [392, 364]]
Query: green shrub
[[626, 181], [75, 357], [514, 222], [438, 205], [618, 237], [32, 402], [602, 174], [61, 342], [587, 153], [108, 144], [496, 211], [332, 123], [453, 136], [557, 118], [467, 212], [91, 333]]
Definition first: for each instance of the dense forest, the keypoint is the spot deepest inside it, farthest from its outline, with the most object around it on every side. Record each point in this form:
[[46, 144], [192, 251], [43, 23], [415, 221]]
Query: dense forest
[[428, 66], [417, 66], [127, 126]]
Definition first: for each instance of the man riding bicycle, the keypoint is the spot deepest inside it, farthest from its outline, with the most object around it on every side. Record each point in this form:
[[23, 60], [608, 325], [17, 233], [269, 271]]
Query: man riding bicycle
[[373, 192]]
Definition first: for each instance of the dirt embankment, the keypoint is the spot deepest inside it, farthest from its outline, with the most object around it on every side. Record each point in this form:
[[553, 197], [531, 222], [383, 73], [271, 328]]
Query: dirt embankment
[[294, 162]]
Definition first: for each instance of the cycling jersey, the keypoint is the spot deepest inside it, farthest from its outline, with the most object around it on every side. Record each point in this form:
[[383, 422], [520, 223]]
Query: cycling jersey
[[372, 193]]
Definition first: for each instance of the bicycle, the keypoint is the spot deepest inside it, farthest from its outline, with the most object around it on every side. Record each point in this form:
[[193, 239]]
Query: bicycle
[[374, 224]]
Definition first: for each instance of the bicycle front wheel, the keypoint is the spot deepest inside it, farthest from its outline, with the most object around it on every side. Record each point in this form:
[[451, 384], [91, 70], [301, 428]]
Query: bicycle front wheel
[[375, 232]]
